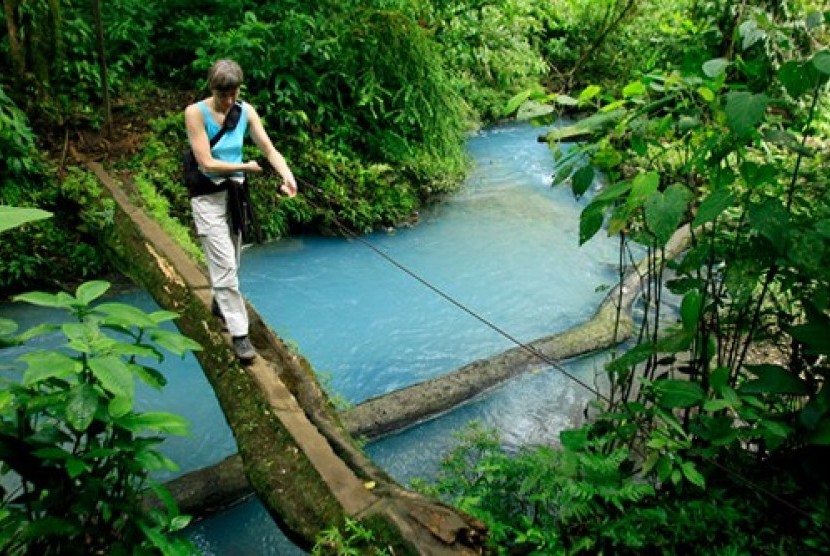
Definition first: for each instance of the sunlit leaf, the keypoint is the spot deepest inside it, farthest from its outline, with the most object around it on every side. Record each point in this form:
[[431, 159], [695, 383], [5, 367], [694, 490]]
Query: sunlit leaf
[[7, 327], [643, 186], [158, 421], [706, 94], [11, 217], [566, 100], [692, 474], [90, 291], [174, 342], [516, 101], [665, 211], [588, 93], [612, 193], [715, 67], [634, 89], [119, 406], [125, 315], [43, 365], [113, 374], [43, 299], [38, 330], [163, 316]]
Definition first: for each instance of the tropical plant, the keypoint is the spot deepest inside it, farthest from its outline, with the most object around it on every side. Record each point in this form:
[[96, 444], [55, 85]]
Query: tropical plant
[[725, 413], [76, 455]]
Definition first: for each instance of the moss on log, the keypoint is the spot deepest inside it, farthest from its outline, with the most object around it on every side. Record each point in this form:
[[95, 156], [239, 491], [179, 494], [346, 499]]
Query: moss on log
[[300, 461]]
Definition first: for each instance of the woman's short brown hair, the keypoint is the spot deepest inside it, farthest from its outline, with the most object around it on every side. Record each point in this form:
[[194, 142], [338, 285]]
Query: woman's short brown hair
[[224, 75]]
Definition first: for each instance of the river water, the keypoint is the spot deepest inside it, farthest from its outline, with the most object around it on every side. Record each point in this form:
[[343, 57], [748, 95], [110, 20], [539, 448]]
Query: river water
[[505, 247]]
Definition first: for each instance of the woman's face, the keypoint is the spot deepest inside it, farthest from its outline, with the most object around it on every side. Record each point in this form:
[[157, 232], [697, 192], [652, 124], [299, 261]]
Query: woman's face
[[223, 100]]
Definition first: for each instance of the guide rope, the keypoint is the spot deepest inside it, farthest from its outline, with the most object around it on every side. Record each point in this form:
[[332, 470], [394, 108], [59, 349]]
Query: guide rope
[[536, 353], [547, 360]]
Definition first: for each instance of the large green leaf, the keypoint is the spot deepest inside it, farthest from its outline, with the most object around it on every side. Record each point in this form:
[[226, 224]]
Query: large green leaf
[[37, 330], [788, 141], [612, 193], [43, 365], [634, 356], [821, 61], [590, 221], [163, 316], [771, 219], [113, 374], [582, 180], [665, 211], [690, 309], [90, 291], [643, 186], [814, 335], [7, 327], [174, 342], [121, 314], [744, 111], [574, 440], [773, 379], [11, 217], [157, 421], [715, 67], [713, 206], [797, 78], [678, 393], [81, 405], [44, 299]]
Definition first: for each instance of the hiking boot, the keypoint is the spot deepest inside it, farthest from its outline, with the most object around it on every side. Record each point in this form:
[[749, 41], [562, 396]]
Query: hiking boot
[[243, 348], [217, 312]]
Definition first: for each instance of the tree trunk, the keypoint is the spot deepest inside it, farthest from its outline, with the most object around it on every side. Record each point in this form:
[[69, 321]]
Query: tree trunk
[[102, 62], [15, 48]]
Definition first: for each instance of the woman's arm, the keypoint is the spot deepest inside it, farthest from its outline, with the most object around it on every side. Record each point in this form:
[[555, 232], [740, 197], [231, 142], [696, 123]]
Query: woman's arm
[[196, 134], [261, 140]]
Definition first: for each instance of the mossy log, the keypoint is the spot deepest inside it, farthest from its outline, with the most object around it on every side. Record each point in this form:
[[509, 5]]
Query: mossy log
[[298, 458]]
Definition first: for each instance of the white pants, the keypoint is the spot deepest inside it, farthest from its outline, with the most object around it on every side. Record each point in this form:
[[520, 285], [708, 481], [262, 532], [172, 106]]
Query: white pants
[[210, 214]]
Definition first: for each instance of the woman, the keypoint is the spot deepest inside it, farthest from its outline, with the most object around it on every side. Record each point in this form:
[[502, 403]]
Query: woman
[[223, 164]]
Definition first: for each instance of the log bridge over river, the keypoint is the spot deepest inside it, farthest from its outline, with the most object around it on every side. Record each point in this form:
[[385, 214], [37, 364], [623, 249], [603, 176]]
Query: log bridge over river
[[295, 451]]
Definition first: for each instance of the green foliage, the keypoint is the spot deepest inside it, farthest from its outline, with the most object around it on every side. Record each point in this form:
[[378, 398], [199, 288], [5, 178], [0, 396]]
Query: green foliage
[[492, 49], [584, 498], [11, 217], [20, 163], [78, 453], [369, 83], [353, 539], [50, 251]]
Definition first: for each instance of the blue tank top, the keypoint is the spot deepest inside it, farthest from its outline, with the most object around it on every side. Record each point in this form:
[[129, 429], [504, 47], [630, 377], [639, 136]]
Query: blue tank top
[[229, 147]]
